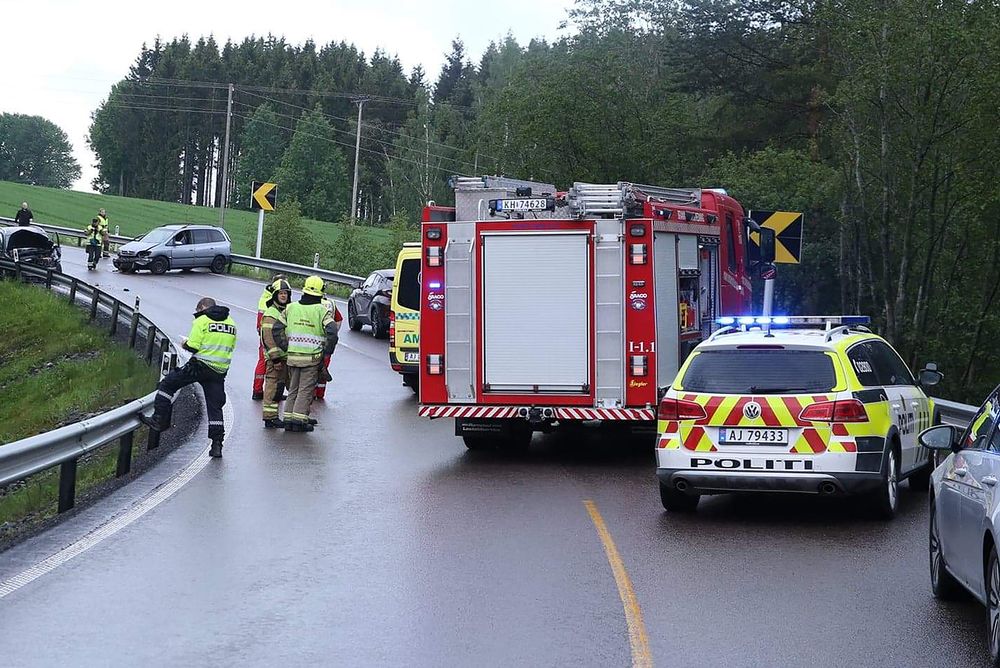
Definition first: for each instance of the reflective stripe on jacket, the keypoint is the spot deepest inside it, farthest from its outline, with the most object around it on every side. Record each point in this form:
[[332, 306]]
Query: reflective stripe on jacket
[[273, 334]]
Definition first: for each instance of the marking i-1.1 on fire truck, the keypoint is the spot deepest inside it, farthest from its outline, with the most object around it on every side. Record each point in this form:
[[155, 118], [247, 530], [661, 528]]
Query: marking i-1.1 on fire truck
[[546, 307]]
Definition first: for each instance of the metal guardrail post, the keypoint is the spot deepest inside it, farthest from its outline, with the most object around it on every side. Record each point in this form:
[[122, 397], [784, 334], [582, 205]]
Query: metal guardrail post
[[124, 465], [67, 485], [133, 329], [153, 440], [95, 299], [17, 271], [115, 310], [150, 343], [72, 291], [48, 279]]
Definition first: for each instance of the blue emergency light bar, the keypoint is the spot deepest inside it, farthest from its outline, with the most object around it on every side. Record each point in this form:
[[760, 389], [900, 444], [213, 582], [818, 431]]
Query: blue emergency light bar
[[824, 320]]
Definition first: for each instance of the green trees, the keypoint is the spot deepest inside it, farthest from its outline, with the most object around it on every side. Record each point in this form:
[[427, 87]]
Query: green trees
[[261, 149], [35, 151], [313, 170]]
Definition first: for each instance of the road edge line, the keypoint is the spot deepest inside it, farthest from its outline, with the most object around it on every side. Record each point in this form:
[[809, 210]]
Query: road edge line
[[638, 640]]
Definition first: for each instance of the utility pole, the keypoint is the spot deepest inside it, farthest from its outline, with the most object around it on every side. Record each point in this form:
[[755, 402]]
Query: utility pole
[[225, 160], [357, 154]]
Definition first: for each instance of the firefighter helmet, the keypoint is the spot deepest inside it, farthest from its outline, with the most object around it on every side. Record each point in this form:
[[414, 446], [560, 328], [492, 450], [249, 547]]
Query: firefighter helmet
[[313, 286]]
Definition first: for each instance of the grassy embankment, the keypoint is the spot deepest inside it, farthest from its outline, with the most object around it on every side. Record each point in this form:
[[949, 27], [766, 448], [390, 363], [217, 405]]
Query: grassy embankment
[[136, 216], [56, 369]]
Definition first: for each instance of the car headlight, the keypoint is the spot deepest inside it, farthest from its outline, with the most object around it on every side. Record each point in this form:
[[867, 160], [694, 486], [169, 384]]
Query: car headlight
[[143, 253]]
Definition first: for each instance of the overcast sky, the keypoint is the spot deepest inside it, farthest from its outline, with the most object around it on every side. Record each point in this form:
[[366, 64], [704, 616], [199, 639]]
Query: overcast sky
[[62, 56]]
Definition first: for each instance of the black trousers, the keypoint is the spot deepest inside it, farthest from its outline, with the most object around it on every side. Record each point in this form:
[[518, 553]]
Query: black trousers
[[212, 383], [93, 254]]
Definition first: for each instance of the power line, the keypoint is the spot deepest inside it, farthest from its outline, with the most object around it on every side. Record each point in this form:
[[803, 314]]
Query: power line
[[382, 142]]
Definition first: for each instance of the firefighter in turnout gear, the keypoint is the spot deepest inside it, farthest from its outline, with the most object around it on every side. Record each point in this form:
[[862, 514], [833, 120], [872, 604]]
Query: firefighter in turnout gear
[[258, 372], [93, 232], [311, 335], [324, 372], [211, 344], [274, 340]]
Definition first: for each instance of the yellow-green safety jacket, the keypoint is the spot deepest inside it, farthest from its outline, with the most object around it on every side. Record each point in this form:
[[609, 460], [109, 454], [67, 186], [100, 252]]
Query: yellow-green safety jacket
[[213, 338], [311, 332]]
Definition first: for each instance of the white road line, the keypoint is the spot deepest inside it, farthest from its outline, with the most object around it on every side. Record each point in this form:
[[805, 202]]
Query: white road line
[[116, 524]]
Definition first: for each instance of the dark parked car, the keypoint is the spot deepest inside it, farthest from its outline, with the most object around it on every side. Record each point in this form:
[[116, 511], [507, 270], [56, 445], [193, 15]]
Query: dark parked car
[[965, 513], [30, 245], [182, 247], [370, 304]]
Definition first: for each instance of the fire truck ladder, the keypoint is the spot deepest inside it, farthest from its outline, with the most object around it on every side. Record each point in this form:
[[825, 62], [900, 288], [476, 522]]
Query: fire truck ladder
[[592, 200], [609, 302]]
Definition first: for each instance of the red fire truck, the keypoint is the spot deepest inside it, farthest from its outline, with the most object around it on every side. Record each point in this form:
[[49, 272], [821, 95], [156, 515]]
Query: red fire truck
[[542, 309]]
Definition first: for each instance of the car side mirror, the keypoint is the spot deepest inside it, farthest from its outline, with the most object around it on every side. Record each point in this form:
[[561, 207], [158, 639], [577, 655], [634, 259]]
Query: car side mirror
[[930, 375], [943, 437]]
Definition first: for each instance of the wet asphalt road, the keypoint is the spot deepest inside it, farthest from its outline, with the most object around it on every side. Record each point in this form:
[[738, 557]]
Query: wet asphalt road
[[379, 540]]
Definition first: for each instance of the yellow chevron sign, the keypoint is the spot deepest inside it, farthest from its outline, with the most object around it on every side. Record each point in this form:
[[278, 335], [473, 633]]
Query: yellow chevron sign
[[264, 196], [787, 226]]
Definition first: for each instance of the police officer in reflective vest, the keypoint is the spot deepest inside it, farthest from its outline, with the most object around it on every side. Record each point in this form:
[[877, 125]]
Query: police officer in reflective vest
[[274, 340], [311, 334], [211, 342], [258, 372], [93, 238]]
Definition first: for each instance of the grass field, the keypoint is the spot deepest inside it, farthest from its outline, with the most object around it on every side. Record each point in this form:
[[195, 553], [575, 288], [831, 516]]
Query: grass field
[[56, 369], [69, 208]]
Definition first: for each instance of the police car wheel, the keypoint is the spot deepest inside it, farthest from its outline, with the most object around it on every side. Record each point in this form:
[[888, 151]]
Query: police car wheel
[[677, 502], [885, 499], [943, 585]]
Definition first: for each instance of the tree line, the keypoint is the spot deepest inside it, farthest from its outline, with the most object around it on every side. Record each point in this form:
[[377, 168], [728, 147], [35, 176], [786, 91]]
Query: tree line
[[876, 119]]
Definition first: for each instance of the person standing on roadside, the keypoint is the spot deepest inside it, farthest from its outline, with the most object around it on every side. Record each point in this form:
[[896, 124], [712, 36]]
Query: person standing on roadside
[[24, 216], [274, 340], [311, 335], [102, 217], [93, 239], [324, 373], [211, 344], [259, 370]]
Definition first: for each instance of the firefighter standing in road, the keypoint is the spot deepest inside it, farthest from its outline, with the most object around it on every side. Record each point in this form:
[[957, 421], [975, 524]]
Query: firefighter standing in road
[[324, 373], [311, 334], [93, 238], [258, 372], [274, 340], [23, 216], [212, 342], [102, 218]]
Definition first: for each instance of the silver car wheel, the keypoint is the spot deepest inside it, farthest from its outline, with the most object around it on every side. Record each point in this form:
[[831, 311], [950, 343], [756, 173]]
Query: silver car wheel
[[935, 550], [993, 597]]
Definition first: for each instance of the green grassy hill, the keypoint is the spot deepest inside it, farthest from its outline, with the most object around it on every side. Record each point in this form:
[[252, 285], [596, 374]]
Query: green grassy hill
[[135, 216]]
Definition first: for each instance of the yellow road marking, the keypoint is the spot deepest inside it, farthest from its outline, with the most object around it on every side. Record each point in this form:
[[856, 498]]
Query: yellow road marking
[[641, 657]]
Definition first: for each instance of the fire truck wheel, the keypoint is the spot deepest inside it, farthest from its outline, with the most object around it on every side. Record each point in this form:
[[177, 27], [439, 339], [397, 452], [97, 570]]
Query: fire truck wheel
[[677, 502]]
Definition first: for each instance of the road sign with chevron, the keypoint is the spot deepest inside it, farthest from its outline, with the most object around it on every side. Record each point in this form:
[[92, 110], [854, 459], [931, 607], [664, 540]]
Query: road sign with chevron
[[787, 226], [264, 196]]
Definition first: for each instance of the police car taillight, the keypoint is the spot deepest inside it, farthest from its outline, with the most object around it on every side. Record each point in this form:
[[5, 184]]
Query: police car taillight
[[678, 409], [850, 410], [435, 365]]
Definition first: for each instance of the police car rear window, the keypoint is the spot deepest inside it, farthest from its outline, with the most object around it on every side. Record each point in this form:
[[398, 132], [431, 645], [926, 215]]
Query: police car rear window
[[760, 372], [408, 285]]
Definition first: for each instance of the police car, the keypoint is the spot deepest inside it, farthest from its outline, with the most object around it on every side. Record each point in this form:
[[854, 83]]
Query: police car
[[813, 404]]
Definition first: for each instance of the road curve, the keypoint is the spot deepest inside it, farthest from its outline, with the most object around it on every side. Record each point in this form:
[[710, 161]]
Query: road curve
[[378, 540]]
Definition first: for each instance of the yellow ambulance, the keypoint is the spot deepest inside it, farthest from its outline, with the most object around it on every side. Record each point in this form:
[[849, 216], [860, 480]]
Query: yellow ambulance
[[404, 316]]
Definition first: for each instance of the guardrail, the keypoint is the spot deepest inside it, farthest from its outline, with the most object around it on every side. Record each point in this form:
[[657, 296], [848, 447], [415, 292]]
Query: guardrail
[[275, 266], [955, 413], [63, 447]]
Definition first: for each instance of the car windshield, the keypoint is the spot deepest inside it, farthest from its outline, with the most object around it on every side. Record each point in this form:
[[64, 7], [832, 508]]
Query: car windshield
[[408, 286], [760, 372], [158, 236]]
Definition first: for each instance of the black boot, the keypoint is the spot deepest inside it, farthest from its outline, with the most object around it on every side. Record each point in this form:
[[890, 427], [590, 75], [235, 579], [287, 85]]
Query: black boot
[[216, 449], [292, 426], [313, 421], [306, 427], [257, 396], [152, 423], [274, 423]]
